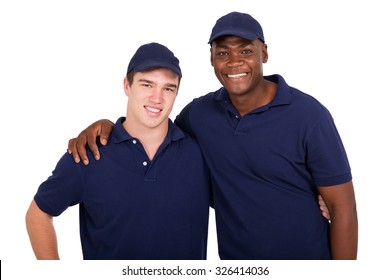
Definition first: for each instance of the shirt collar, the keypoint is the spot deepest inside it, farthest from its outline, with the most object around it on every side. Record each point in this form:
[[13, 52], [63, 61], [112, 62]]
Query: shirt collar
[[282, 96], [119, 134]]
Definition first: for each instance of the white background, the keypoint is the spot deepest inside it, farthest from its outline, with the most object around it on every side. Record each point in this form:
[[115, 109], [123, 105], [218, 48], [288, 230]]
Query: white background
[[61, 68]]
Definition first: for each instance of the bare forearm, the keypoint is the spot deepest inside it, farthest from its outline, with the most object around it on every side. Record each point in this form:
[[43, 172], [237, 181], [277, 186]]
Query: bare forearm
[[340, 199], [42, 234], [344, 238]]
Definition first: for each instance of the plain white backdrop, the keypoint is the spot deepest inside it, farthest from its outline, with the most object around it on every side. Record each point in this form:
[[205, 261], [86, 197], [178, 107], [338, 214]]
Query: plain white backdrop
[[61, 68]]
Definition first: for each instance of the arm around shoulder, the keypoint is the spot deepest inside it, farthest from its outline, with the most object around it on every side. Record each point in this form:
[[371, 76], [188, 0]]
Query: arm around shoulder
[[77, 146]]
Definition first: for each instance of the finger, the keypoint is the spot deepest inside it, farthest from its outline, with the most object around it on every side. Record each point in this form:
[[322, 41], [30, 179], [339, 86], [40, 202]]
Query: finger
[[106, 128], [326, 215], [73, 150], [80, 146], [91, 139], [323, 208], [104, 135], [320, 200]]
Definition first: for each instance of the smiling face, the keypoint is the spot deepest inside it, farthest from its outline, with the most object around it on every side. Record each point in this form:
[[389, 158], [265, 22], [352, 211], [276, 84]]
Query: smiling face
[[151, 96], [238, 64]]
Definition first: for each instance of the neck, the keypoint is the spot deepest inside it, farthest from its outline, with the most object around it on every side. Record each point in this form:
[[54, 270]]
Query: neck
[[150, 137], [260, 96]]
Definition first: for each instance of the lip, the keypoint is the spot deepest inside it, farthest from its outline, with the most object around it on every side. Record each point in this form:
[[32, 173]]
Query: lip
[[237, 75], [152, 110]]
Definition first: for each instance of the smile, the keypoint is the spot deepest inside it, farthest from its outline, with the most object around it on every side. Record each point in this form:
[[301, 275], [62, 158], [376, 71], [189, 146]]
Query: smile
[[153, 110], [237, 75]]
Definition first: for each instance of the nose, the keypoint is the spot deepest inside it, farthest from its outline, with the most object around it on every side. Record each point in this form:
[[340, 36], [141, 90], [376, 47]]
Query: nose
[[234, 61], [156, 96]]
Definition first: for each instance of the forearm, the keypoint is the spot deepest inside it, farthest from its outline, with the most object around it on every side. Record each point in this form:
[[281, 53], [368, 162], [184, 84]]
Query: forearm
[[42, 234], [340, 200], [344, 237]]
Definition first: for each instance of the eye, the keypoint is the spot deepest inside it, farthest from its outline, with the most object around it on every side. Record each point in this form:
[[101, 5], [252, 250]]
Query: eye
[[168, 89], [146, 85], [222, 53], [247, 51]]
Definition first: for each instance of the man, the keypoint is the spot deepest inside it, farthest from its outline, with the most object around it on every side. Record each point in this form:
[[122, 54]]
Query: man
[[271, 149], [148, 198]]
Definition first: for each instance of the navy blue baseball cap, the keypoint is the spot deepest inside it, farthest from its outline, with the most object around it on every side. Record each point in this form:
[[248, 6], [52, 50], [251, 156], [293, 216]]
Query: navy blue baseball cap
[[237, 24], [153, 55]]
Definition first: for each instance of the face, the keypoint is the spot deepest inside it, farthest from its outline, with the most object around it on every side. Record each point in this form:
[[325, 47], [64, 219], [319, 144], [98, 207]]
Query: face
[[238, 63], [150, 98]]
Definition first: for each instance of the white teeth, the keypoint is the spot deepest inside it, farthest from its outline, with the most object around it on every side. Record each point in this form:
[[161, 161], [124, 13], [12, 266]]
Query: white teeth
[[154, 110], [237, 75]]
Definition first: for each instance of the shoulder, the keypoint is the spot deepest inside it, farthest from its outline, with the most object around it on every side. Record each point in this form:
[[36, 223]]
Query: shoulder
[[67, 165], [181, 138], [294, 96], [307, 104], [178, 135], [198, 110], [201, 107], [208, 98]]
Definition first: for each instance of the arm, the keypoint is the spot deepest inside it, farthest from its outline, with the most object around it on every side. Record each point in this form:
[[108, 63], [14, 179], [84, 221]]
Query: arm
[[77, 146], [42, 233], [340, 201]]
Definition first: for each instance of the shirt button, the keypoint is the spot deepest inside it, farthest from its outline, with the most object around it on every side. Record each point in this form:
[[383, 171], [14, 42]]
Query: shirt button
[[134, 141], [145, 163]]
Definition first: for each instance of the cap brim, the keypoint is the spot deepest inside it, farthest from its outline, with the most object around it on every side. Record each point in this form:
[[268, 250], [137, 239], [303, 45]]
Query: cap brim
[[157, 64], [234, 32]]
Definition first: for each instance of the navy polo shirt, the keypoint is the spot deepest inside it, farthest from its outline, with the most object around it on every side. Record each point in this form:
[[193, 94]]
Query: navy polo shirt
[[131, 207], [266, 167]]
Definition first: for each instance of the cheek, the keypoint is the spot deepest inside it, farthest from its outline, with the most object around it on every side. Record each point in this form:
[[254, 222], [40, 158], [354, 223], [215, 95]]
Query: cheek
[[218, 74], [219, 68], [170, 101]]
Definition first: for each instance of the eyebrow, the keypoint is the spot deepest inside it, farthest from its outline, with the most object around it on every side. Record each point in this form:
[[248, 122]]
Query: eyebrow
[[243, 45], [153, 83]]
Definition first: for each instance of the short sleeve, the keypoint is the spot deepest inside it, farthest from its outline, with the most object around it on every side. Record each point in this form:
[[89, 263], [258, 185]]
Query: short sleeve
[[326, 155], [62, 189]]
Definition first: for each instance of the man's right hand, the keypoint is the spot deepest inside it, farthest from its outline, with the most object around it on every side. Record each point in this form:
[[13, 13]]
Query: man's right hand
[[77, 146]]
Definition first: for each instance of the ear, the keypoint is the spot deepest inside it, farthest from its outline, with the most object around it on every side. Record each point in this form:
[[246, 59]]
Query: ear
[[211, 57], [265, 53], [126, 86]]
